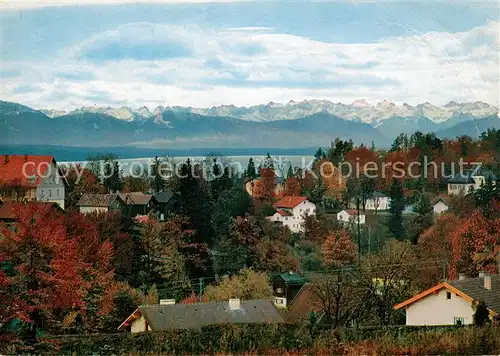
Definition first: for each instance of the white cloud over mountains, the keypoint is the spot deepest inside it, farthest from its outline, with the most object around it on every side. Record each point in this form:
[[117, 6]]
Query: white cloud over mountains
[[157, 64]]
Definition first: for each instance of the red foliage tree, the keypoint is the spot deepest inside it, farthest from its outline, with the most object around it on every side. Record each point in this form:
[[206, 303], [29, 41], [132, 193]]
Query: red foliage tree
[[46, 270], [265, 186], [339, 250], [292, 187], [474, 235]]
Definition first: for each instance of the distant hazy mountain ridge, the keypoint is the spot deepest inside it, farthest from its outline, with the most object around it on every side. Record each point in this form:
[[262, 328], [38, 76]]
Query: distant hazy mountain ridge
[[294, 125], [359, 110]]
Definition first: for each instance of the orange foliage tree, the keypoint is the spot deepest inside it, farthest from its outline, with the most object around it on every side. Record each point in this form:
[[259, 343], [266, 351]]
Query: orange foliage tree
[[265, 186], [339, 250], [475, 234]]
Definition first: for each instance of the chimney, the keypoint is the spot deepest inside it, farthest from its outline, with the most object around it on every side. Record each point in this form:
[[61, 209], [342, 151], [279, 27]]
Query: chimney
[[487, 281], [167, 301], [482, 274], [234, 304], [6, 159], [461, 276]]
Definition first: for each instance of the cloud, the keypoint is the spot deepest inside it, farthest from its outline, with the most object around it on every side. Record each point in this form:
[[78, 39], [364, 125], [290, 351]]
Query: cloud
[[158, 64]]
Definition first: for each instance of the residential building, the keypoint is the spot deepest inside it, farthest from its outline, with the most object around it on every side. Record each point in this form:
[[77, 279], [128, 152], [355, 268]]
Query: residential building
[[453, 302], [100, 203], [194, 316], [469, 180], [167, 203], [350, 216], [378, 201], [27, 177], [439, 206], [290, 212], [285, 287], [139, 203]]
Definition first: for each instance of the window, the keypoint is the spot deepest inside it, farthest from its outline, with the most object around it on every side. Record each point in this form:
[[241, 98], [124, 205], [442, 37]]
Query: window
[[50, 193], [58, 192], [448, 295], [458, 320]]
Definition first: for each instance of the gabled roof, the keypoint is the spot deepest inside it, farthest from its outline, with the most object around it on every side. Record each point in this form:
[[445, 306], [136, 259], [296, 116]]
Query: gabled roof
[[289, 202], [193, 316], [302, 304], [292, 278], [378, 195], [97, 200], [284, 212], [8, 208], [24, 170], [467, 176], [352, 212], [135, 198], [163, 197], [470, 289]]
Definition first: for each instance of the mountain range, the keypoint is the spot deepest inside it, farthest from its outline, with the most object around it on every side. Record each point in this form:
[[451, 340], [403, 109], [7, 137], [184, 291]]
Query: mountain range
[[310, 123]]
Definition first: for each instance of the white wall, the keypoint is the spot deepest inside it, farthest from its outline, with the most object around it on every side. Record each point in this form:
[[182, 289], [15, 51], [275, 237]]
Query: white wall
[[294, 222], [93, 209], [139, 325], [440, 207], [52, 188], [456, 189], [435, 309], [345, 217], [379, 203]]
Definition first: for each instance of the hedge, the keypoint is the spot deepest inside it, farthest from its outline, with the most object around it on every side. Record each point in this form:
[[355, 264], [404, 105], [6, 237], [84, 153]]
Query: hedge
[[278, 339]]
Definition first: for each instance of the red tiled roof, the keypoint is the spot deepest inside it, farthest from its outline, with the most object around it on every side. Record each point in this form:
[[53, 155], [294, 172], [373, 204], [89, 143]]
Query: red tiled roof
[[284, 213], [289, 202], [11, 169], [135, 198]]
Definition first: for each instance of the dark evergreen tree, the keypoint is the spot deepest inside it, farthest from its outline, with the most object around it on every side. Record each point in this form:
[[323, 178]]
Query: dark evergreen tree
[[395, 222], [268, 162], [289, 173], [422, 204], [250, 172], [481, 315], [195, 201], [158, 182]]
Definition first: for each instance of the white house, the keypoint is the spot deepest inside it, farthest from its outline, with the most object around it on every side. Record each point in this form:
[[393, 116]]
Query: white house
[[27, 177], [378, 201], [351, 216], [290, 212], [453, 302], [439, 207], [469, 180]]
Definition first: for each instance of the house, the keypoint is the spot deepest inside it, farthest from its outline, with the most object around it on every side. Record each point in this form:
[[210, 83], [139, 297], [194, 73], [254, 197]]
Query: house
[[378, 201], [439, 206], [139, 203], [167, 203], [27, 177], [469, 180], [290, 212], [349, 216], [453, 302], [286, 286], [194, 316], [100, 203]]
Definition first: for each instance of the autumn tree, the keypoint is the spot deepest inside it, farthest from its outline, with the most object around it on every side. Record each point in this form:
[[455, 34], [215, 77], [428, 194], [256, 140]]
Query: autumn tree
[[44, 277], [246, 285], [388, 276], [265, 187], [292, 187], [475, 234], [339, 250], [339, 297], [80, 180]]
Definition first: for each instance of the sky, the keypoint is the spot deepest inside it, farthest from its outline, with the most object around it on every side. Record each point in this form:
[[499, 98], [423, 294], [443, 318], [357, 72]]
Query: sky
[[68, 54]]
